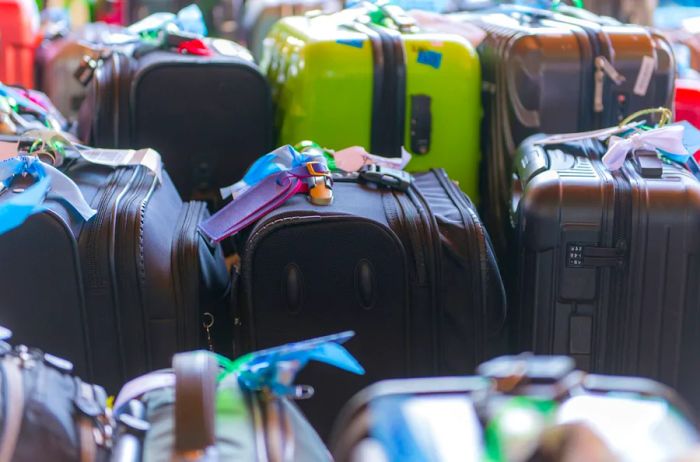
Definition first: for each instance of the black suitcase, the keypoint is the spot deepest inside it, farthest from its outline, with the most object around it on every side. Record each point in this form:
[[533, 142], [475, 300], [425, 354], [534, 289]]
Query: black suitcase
[[551, 73], [48, 413], [413, 274], [210, 117], [119, 294], [607, 262]]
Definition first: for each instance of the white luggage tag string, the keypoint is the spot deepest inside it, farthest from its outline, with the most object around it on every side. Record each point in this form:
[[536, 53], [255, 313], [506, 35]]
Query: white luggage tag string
[[352, 159], [668, 139], [51, 144], [602, 133]]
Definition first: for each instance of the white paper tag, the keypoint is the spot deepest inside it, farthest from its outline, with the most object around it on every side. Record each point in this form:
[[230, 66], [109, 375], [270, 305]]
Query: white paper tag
[[8, 149], [149, 158], [646, 71]]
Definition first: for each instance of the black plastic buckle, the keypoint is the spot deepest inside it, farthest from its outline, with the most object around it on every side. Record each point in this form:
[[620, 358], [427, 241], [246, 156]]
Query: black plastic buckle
[[384, 176]]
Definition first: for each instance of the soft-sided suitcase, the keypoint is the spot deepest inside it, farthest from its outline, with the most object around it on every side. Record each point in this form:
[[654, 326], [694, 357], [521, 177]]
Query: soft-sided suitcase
[[118, 294], [523, 408], [607, 262], [378, 87], [240, 411], [258, 17], [209, 116], [551, 73], [19, 28], [413, 274], [47, 412]]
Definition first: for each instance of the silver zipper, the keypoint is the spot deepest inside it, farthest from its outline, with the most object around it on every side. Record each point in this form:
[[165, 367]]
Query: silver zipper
[[604, 67]]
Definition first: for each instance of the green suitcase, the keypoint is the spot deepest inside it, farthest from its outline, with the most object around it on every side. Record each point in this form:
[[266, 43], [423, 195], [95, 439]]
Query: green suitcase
[[369, 76]]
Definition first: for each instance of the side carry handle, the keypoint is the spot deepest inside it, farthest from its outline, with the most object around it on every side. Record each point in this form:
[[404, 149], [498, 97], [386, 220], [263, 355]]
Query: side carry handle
[[195, 402]]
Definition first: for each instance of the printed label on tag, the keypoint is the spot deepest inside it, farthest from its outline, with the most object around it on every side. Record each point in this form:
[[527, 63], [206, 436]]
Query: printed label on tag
[[645, 74], [149, 158], [430, 58], [8, 149]]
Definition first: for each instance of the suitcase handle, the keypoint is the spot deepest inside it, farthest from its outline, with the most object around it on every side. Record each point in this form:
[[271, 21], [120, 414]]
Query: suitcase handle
[[195, 402]]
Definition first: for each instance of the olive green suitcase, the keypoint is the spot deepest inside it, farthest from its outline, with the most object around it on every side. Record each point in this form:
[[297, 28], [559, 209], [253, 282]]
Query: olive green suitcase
[[369, 76]]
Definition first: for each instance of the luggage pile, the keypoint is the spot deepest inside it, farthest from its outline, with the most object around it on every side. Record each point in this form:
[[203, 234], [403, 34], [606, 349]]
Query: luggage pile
[[196, 224]]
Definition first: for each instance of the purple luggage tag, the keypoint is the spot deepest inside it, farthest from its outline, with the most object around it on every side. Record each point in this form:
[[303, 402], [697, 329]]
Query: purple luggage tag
[[260, 199]]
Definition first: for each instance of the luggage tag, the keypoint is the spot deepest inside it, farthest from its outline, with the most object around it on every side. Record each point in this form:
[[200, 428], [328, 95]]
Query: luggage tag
[[264, 197], [352, 159], [275, 369], [281, 159], [24, 202], [52, 144]]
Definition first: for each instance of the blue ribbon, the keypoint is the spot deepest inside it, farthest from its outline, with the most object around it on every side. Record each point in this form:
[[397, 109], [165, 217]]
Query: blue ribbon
[[189, 19], [281, 159], [19, 206], [276, 368]]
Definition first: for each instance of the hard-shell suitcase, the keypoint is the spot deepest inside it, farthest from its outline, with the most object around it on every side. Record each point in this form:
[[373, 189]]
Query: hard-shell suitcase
[[209, 116], [518, 408], [413, 274], [118, 294], [551, 73], [258, 17], [48, 412], [607, 262], [19, 24], [58, 59], [380, 87]]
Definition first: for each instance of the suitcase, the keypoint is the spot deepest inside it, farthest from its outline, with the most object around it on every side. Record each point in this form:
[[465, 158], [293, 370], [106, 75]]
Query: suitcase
[[19, 25], [118, 294], [549, 73], [48, 412], [58, 59], [258, 17], [518, 408], [241, 409], [372, 86], [413, 274], [210, 116], [607, 262]]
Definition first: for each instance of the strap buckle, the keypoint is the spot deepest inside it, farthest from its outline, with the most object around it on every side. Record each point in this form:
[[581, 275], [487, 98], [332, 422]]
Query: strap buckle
[[385, 176]]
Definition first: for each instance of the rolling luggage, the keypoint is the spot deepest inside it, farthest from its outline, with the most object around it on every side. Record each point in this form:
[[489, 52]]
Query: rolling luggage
[[210, 116], [58, 59], [550, 73], [120, 290], [19, 37], [412, 273], [239, 411], [518, 409], [48, 412], [607, 261], [378, 86], [258, 17]]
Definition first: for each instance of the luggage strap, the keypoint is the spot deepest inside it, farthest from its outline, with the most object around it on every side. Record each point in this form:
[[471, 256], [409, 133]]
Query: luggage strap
[[195, 402], [15, 408]]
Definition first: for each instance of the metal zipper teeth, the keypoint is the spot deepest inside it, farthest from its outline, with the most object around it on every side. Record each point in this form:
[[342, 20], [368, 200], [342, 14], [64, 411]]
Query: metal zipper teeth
[[473, 227]]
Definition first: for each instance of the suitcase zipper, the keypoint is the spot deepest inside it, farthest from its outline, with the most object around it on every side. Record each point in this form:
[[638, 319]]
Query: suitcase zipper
[[477, 249], [185, 265]]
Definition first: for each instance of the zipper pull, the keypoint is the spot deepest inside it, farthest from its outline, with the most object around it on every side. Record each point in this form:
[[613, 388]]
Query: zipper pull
[[604, 67]]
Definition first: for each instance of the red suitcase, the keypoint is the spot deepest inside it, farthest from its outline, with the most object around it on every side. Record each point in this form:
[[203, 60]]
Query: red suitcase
[[19, 37]]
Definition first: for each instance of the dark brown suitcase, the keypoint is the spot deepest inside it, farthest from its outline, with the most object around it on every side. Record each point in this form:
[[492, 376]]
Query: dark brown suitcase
[[550, 73], [608, 262]]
